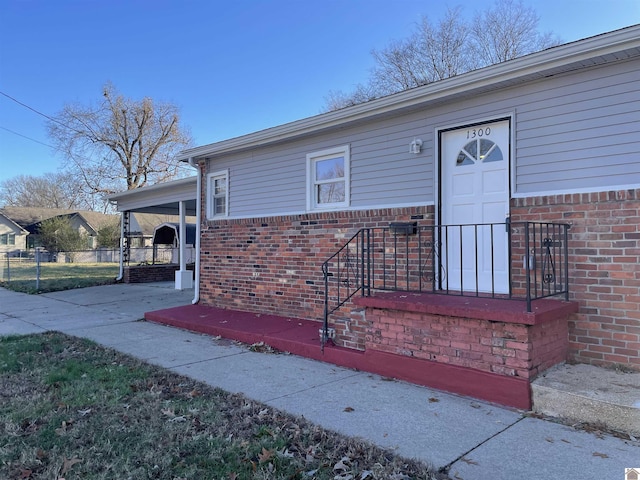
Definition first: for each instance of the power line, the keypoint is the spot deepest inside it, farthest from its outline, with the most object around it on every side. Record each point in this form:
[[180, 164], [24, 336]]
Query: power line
[[28, 138], [162, 162], [34, 110], [179, 165]]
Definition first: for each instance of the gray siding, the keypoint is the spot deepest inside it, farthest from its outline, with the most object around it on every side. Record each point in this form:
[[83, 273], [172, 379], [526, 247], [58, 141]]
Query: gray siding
[[573, 132], [272, 181], [581, 132]]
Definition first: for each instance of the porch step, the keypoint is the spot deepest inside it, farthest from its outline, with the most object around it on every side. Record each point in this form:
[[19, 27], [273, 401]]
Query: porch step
[[589, 394]]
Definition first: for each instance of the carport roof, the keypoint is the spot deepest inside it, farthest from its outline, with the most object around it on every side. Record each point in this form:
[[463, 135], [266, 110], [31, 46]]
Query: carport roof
[[163, 198]]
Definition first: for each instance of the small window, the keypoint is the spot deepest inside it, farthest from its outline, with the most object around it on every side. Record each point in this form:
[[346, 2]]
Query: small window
[[217, 194], [8, 239], [479, 150], [328, 179], [136, 242]]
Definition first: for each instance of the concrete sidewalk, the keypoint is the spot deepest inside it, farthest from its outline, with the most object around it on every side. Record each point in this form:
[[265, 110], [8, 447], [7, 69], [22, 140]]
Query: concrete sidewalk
[[470, 438]]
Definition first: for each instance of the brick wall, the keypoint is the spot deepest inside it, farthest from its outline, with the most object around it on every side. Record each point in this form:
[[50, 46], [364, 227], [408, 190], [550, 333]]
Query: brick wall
[[274, 265], [351, 330], [604, 270], [151, 273], [510, 349]]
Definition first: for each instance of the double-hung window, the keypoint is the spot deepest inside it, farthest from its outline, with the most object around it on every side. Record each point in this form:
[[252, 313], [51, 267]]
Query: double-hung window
[[217, 194], [328, 173], [8, 239]]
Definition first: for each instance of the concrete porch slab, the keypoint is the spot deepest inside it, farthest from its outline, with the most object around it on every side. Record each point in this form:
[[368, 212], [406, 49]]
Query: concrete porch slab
[[589, 394]]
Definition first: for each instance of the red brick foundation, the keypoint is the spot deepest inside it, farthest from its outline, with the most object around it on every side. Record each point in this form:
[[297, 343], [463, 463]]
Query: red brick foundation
[[490, 335], [151, 273], [274, 265], [496, 347], [604, 270]]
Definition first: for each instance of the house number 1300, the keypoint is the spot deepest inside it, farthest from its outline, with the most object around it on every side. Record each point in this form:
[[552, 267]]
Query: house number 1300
[[479, 132]]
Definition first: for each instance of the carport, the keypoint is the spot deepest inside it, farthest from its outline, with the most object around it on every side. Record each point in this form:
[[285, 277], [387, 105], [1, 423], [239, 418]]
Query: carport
[[178, 197]]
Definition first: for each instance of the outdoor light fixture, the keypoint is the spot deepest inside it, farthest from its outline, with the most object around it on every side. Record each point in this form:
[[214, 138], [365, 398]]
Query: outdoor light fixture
[[415, 146]]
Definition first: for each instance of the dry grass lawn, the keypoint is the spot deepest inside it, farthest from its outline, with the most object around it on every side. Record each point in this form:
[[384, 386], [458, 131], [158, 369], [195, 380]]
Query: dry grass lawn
[[70, 409], [21, 277]]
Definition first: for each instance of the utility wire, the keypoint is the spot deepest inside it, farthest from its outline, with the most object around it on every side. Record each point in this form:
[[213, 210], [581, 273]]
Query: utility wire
[[180, 165], [34, 110], [28, 138]]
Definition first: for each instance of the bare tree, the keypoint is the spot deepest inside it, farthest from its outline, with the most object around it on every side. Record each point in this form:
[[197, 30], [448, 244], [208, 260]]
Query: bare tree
[[337, 99], [450, 47], [507, 31], [52, 190], [120, 143], [431, 53]]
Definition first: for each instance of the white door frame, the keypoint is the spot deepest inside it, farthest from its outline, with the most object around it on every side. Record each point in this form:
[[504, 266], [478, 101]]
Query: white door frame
[[438, 133]]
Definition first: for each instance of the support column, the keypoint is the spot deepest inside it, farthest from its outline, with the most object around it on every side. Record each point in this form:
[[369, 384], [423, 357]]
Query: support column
[[184, 277]]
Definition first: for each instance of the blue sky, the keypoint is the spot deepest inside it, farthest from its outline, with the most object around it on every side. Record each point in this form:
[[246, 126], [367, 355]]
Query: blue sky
[[232, 66]]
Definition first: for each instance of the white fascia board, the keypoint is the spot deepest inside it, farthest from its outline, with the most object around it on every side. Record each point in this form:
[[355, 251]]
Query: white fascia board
[[21, 231], [158, 194], [533, 66]]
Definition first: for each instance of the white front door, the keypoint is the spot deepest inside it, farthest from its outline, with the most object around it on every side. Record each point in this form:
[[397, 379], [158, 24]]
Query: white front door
[[474, 195]]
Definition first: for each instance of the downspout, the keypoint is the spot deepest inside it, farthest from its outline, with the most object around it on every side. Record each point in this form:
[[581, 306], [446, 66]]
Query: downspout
[[196, 287]]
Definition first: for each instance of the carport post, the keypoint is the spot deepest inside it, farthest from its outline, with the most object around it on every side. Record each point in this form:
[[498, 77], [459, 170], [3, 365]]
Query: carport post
[[184, 277]]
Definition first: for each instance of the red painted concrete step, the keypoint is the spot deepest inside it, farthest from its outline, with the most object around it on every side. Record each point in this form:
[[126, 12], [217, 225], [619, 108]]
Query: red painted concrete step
[[294, 335], [301, 337]]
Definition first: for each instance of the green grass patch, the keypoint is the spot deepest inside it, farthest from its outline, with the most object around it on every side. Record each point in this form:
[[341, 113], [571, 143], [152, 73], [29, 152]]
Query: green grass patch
[[74, 410], [54, 277]]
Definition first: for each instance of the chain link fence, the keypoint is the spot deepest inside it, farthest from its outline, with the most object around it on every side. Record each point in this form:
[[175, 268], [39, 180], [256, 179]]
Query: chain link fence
[[39, 270]]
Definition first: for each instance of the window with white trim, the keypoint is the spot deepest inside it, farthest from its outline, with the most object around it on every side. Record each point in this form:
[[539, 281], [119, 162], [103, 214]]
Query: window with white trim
[[8, 239], [328, 173], [217, 194]]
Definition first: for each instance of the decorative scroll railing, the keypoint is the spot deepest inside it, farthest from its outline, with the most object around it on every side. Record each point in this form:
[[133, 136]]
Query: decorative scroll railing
[[512, 260]]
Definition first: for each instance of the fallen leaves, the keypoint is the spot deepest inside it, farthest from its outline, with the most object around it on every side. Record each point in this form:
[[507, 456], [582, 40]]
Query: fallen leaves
[[64, 427], [67, 465], [169, 412], [262, 347], [265, 455], [151, 402], [342, 469], [24, 473]]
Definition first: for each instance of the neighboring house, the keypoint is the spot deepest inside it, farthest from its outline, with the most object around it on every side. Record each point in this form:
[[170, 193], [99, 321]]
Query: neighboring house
[[26, 221], [13, 237], [84, 221], [552, 137]]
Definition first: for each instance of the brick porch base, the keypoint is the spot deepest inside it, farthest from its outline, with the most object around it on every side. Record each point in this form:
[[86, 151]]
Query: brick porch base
[[536, 336]]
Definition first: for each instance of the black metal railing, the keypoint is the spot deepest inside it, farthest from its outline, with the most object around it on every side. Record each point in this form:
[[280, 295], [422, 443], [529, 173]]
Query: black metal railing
[[511, 260]]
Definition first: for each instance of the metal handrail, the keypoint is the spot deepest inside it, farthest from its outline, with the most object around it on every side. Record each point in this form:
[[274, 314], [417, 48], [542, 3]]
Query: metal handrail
[[439, 259]]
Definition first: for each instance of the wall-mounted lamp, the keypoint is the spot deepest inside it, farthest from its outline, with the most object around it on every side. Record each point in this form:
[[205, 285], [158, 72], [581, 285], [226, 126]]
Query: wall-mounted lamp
[[415, 146]]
